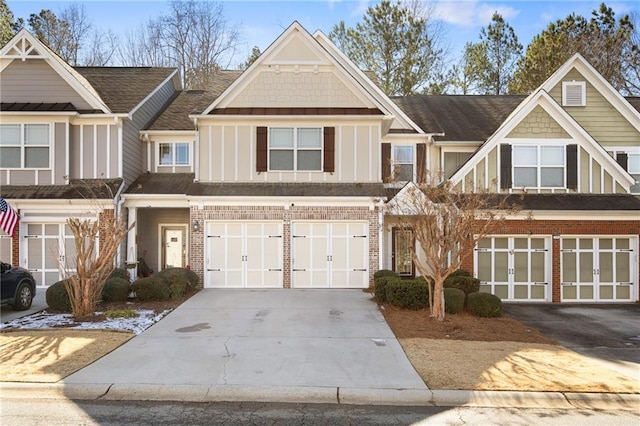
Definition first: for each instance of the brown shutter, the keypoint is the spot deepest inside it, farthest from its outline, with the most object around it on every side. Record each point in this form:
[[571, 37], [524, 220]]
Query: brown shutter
[[421, 162], [329, 149], [505, 166], [572, 166], [386, 162], [623, 160], [261, 149]]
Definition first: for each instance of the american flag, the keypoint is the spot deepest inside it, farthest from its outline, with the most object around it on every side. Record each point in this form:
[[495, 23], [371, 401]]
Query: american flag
[[8, 218]]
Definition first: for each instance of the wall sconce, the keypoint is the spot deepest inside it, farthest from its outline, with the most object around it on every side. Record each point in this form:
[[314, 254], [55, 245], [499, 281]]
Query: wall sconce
[[195, 226]]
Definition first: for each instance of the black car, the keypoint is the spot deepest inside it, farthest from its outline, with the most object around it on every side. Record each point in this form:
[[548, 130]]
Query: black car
[[17, 287]]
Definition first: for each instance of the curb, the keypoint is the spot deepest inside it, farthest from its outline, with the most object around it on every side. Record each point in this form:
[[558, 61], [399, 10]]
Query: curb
[[319, 395]]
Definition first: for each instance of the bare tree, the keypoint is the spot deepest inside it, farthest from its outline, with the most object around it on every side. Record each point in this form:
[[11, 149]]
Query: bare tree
[[102, 48], [446, 223], [78, 28]]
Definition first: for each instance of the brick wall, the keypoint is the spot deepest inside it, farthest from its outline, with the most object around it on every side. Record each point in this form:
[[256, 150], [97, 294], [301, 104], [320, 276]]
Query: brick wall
[[560, 228], [293, 213]]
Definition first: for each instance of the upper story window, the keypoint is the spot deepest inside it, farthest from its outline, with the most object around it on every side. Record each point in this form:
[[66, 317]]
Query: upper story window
[[539, 166], [403, 162], [24, 146], [173, 154], [453, 160], [633, 164], [292, 148]]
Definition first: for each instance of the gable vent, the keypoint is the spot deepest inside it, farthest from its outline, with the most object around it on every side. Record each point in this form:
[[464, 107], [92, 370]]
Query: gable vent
[[574, 93]]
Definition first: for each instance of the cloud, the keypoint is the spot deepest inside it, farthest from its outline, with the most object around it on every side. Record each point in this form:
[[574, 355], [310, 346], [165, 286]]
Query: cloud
[[471, 13]]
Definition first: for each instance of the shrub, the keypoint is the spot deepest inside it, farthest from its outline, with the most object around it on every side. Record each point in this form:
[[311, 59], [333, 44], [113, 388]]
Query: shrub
[[484, 305], [151, 288], [57, 297], [124, 313], [119, 273], [180, 278], [116, 289], [380, 287], [453, 300], [460, 273], [464, 283], [412, 294], [385, 273]]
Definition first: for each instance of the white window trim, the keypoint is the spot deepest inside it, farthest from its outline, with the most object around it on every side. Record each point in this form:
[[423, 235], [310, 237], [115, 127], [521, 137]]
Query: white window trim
[[23, 146], [173, 145], [454, 150], [413, 162], [539, 167], [295, 149], [566, 85]]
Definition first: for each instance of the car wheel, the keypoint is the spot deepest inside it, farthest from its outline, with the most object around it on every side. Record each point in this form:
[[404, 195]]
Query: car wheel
[[24, 297]]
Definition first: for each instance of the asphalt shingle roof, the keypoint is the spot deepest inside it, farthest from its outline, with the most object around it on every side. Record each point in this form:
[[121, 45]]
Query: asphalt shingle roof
[[123, 88], [103, 189]]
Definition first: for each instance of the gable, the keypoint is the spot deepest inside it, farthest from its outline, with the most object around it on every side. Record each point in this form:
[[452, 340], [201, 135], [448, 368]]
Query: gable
[[538, 124], [296, 50], [599, 116], [34, 81]]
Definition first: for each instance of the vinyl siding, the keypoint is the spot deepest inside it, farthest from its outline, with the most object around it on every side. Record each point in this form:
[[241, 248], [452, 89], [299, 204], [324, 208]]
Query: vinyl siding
[[148, 232], [538, 124]]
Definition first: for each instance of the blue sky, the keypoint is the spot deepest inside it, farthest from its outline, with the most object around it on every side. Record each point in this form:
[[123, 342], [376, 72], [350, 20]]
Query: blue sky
[[262, 21]]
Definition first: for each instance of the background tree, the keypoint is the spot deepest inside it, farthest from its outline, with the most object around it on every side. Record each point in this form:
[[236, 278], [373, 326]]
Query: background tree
[[255, 53], [447, 224], [395, 44], [8, 25], [494, 58], [462, 77], [51, 30], [610, 45]]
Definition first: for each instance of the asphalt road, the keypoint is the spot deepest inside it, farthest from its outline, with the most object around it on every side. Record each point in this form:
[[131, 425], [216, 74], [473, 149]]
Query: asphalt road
[[65, 412]]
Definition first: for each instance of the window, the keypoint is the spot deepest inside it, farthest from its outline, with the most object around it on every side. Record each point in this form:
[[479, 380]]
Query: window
[[574, 93], [173, 154], [633, 164], [24, 146], [295, 148], [539, 166], [453, 161], [402, 162]]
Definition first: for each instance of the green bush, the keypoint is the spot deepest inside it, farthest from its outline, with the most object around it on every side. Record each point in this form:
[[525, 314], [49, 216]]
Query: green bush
[[180, 278], [151, 288], [119, 273], [116, 289], [453, 300], [484, 305], [385, 273], [464, 283], [57, 297], [380, 287], [460, 273], [412, 294], [124, 313]]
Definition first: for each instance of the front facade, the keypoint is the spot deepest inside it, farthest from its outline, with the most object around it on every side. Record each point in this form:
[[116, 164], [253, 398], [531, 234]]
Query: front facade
[[278, 176]]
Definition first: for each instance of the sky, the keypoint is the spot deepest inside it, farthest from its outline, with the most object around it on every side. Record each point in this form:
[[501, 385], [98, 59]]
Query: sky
[[262, 21]]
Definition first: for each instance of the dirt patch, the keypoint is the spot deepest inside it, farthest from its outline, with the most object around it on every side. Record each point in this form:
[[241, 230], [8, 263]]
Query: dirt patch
[[51, 355], [467, 352]]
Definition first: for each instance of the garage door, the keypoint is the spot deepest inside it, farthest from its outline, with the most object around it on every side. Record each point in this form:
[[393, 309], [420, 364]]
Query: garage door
[[597, 269], [330, 255], [243, 254], [43, 243], [515, 268]]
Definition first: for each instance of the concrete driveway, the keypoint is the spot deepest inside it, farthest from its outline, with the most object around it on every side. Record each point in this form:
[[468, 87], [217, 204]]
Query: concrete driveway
[[609, 333], [260, 345], [7, 313]]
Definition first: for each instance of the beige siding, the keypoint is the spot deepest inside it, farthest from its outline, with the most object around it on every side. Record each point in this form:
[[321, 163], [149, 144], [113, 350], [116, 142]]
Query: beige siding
[[35, 81], [148, 232], [87, 170], [492, 177], [584, 161], [246, 149], [230, 157], [599, 117], [538, 124], [290, 89]]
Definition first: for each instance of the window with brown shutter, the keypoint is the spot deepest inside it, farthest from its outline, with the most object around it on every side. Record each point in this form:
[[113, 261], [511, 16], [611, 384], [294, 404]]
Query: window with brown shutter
[[421, 162], [261, 149], [329, 149], [505, 166], [386, 162], [572, 166]]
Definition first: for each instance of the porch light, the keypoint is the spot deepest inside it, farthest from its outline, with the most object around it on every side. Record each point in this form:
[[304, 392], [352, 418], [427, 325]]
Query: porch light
[[195, 226]]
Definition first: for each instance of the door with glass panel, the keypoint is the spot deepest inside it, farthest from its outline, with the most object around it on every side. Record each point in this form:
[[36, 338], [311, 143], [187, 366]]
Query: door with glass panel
[[514, 268], [401, 260], [597, 269]]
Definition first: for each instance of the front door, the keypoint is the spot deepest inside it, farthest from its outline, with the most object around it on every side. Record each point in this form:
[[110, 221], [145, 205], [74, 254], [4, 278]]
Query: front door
[[401, 245], [174, 247]]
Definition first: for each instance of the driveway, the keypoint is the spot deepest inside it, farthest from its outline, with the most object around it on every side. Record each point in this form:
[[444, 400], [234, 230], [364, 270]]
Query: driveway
[[283, 342], [7, 313], [610, 333]]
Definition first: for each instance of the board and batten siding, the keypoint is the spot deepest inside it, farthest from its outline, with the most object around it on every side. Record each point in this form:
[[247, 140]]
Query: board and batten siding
[[132, 155], [598, 117], [35, 81], [227, 153], [93, 151]]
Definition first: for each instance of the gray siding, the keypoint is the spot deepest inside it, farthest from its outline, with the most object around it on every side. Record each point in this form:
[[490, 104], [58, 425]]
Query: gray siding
[[60, 156], [148, 232], [36, 81]]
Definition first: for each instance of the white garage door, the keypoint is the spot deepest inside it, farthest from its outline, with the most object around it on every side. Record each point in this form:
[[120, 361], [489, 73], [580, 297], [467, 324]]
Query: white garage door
[[243, 254], [330, 254], [598, 269], [43, 243]]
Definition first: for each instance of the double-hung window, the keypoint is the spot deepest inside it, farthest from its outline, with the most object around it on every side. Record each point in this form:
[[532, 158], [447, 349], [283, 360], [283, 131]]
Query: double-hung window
[[403, 162], [539, 166], [173, 154], [24, 146], [293, 148]]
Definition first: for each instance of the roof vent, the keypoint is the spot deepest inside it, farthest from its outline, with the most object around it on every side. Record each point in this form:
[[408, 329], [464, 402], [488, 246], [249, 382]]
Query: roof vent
[[574, 93]]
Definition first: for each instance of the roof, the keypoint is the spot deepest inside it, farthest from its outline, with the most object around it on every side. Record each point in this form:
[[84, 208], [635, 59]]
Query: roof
[[575, 201], [41, 107], [123, 88], [183, 184], [176, 115], [459, 117], [97, 189], [634, 101]]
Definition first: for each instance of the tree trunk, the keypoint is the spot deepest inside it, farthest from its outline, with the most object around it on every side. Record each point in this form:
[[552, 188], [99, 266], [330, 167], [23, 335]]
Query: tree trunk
[[438, 299]]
